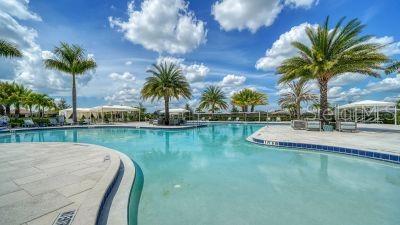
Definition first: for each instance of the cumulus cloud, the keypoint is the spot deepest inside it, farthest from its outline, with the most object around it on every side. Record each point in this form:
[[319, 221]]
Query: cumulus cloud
[[128, 63], [29, 69], [124, 96], [391, 47], [174, 29], [282, 48], [193, 72], [233, 80], [348, 78], [124, 77], [337, 94], [389, 84], [252, 14]]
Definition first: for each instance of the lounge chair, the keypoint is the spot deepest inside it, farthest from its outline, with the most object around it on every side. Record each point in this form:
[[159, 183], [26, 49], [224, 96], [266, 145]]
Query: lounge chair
[[313, 125], [69, 122], [278, 119], [53, 122], [203, 119], [298, 124], [61, 120], [87, 121], [4, 121], [237, 119], [29, 123], [346, 126], [229, 118]]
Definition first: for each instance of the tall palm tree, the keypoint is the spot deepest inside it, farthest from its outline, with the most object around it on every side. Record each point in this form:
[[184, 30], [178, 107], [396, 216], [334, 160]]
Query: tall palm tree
[[299, 92], [213, 98], [71, 59], [333, 52], [31, 100], [166, 82], [9, 50]]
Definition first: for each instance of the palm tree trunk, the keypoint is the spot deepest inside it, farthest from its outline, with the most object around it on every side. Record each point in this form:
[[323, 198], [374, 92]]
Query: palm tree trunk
[[323, 99], [30, 110], [2, 110], [8, 110], [298, 113], [252, 108], [166, 109], [17, 110], [74, 116]]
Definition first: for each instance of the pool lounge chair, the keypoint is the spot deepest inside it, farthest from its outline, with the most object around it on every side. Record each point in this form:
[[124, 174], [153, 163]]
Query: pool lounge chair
[[53, 122], [29, 123], [298, 124], [237, 119], [229, 118], [87, 121], [278, 119], [4, 122], [69, 122], [61, 120], [313, 125], [346, 126]]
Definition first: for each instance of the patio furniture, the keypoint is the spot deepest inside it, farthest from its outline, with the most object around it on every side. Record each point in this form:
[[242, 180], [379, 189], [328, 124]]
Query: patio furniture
[[4, 121], [53, 122], [313, 125], [229, 118], [327, 127], [69, 122], [298, 124], [29, 123], [87, 121], [278, 119], [237, 119], [346, 126], [61, 120]]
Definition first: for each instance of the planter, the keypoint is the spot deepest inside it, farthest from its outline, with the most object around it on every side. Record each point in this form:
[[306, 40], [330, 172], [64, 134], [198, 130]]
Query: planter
[[327, 128]]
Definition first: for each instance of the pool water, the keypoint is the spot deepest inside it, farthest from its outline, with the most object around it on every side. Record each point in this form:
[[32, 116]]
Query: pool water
[[213, 176]]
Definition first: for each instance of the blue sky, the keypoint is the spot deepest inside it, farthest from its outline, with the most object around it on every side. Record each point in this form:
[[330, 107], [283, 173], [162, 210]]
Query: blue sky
[[230, 43]]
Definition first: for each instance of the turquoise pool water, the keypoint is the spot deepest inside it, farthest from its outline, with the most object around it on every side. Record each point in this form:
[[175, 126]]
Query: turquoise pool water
[[213, 176]]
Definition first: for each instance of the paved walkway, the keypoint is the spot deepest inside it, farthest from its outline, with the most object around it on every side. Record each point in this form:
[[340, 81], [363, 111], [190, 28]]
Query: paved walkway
[[381, 138], [38, 181]]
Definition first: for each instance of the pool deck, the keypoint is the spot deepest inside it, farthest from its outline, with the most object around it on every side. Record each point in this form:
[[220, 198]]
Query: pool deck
[[38, 181], [370, 137]]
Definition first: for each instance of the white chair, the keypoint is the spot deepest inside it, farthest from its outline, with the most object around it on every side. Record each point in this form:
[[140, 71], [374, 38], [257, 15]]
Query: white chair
[[346, 126], [313, 125]]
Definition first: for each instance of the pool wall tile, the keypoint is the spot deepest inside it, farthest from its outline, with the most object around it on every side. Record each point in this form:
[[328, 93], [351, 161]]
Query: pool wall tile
[[347, 151]]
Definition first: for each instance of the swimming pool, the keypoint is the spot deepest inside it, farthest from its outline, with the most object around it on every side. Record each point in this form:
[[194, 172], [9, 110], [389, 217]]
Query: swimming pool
[[213, 176]]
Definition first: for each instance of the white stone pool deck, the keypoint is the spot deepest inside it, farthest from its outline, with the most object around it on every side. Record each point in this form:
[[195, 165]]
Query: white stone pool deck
[[38, 181], [372, 137]]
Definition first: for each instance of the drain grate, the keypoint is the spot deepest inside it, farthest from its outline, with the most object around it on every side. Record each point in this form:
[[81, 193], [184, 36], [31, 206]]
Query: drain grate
[[65, 218]]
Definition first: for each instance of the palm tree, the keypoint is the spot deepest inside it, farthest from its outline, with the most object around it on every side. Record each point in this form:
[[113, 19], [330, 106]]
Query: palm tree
[[394, 67], [213, 98], [19, 93], [257, 98], [247, 97], [6, 93], [71, 59], [333, 52], [9, 50], [299, 92], [166, 82]]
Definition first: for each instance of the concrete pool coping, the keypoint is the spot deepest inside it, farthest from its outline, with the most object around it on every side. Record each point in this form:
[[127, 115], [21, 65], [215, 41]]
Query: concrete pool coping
[[369, 142], [77, 189]]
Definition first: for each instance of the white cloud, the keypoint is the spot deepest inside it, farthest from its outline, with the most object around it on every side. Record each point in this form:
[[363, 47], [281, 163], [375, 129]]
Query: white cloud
[[348, 78], [124, 77], [233, 80], [18, 9], [389, 84], [193, 73], [124, 96], [391, 47], [162, 26], [282, 48], [128, 63], [29, 69], [337, 94], [252, 14]]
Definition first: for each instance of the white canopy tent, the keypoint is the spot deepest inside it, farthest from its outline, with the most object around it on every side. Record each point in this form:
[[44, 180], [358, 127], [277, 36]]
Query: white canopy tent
[[376, 106], [81, 112], [113, 109]]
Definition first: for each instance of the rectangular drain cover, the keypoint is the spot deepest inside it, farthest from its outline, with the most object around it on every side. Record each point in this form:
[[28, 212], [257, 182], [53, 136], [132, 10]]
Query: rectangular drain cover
[[65, 218]]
